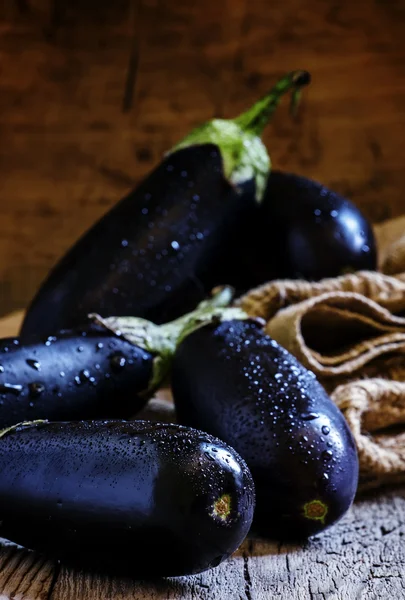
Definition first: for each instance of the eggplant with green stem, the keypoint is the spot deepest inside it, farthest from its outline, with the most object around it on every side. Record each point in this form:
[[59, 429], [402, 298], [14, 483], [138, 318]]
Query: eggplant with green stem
[[132, 498], [107, 368], [154, 254]]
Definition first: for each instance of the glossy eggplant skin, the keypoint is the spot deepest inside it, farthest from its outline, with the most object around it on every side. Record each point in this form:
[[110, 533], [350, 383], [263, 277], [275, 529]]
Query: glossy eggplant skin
[[150, 256], [300, 230], [135, 498], [235, 382], [312, 231], [76, 374]]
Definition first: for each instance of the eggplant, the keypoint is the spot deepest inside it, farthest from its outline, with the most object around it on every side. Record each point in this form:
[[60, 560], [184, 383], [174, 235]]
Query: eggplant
[[107, 368], [75, 374], [152, 255], [133, 498], [314, 232], [235, 382], [301, 230]]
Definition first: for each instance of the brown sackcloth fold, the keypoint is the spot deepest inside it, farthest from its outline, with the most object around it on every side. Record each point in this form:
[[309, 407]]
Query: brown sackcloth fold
[[266, 300], [370, 407], [350, 331], [387, 234], [395, 260]]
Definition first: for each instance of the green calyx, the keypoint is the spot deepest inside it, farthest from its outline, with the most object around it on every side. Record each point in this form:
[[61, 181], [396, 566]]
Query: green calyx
[[162, 340], [243, 153]]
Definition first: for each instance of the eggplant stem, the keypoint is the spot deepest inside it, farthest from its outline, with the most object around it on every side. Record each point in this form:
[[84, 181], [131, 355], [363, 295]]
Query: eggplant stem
[[162, 340], [255, 119], [7, 430]]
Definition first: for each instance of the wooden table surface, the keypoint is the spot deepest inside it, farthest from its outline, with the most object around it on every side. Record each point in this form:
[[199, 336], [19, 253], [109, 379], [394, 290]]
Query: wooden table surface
[[92, 93]]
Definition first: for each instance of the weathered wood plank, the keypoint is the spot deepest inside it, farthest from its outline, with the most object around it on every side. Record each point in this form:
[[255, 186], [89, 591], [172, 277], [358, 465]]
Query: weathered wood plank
[[358, 80], [24, 575]]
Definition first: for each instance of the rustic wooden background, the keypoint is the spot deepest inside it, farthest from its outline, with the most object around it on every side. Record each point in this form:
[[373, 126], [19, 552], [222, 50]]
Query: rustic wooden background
[[92, 92]]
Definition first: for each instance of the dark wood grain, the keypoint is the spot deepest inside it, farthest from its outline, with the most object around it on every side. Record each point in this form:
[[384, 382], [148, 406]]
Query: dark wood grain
[[93, 92], [25, 575]]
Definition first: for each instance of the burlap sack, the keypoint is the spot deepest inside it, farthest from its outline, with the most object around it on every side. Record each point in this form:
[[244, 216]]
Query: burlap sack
[[394, 262], [350, 331], [371, 408]]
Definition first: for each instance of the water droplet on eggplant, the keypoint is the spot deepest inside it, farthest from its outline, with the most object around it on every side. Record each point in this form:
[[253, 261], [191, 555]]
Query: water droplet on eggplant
[[327, 455], [50, 339], [11, 388], [36, 388], [117, 362], [309, 416], [34, 364], [84, 375]]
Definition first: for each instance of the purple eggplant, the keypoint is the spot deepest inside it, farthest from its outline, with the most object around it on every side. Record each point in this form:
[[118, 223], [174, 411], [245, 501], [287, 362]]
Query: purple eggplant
[[133, 498], [301, 230], [233, 381], [75, 374], [107, 368], [153, 254]]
